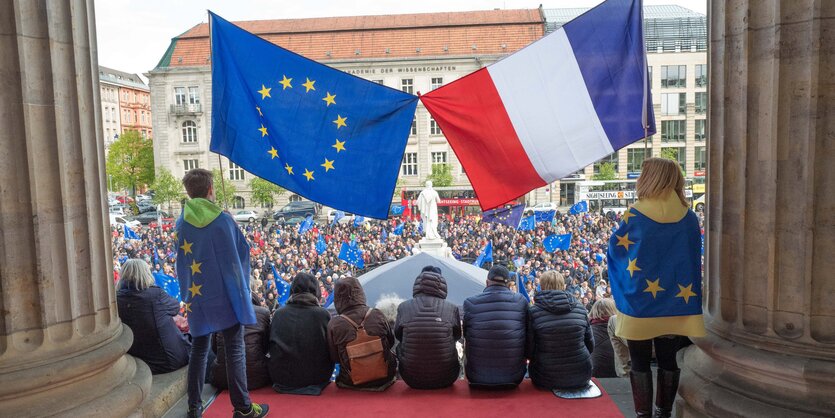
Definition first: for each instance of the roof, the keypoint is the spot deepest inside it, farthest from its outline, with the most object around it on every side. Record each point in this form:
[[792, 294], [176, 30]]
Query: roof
[[489, 32], [121, 78]]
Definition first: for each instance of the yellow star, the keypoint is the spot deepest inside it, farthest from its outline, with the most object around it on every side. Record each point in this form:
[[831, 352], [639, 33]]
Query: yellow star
[[624, 241], [195, 267], [308, 174], [633, 267], [328, 165], [340, 121], [187, 306], [265, 92], [308, 85], [339, 145], [626, 215], [263, 131], [195, 289], [653, 287], [273, 152], [285, 83], [259, 111], [685, 292], [330, 99], [186, 247], [288, 168]]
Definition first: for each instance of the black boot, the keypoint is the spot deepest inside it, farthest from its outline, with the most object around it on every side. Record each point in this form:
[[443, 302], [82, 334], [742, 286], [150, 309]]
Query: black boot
[[642, 393], [666, 392]]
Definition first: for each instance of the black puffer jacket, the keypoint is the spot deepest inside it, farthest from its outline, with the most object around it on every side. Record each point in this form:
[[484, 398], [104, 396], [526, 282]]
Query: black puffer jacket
[[603, 357], [428, 327], [494, 330], [560, 341]]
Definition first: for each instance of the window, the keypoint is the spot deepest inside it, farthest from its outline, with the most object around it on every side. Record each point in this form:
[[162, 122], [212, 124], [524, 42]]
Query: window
[[612, 158], [635, 157], [675, 153], [179, 96], [434, 129], [407, 85], [701, 75], [189, 131], [377, 81], [295, 198], [672, 131], [701, 103], [189, 165], [238, 202], [700, 129], [649, 75], [413, 130], [235, 171], [672, 104], [409, 165], [193, 95], [437, 82], [673, 75], [701, 158], [439, 157]]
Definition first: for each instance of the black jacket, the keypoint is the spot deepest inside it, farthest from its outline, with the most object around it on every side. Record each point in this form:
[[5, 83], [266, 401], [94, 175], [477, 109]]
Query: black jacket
[[603, 357], [428, 327], [560, 341], [299, 355], [150, 315], [494, 330], [255, 347]]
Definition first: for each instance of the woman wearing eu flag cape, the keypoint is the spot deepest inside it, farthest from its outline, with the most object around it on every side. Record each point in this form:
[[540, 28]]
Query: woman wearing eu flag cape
[[654, 263]]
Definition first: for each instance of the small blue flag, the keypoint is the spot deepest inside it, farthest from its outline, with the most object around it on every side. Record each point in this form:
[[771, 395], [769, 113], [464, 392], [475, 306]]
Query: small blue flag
[[306, 224], [508, 216], [351, 254], [397, 210], [329, 136], [398, 230], [485, 255], [129, 233], [329, 300], [156, 258], [282, 288], [321, 245], [358, 220], [520, 284], [557, 242], [169, 284], [528, 223], [420, 228], [579, 208], [337, 215], [545, 216], [384, 236]]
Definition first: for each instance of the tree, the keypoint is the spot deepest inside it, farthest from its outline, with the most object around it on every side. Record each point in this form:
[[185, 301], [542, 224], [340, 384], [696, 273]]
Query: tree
[[130, 161], [441, 175], [224, 189], [167, 188], [672, 154], [606, 172], [264, 192]]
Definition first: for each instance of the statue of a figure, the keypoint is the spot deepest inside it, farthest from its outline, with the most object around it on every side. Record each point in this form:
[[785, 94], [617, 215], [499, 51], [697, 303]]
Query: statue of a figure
[[427, 203]]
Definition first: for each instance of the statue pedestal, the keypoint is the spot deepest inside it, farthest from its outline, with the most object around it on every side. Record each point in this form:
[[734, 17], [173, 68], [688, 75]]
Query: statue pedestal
[[436, 247]]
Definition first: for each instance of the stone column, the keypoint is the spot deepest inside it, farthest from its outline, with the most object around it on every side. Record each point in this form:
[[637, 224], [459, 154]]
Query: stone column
[[62, 346], [770, 265]]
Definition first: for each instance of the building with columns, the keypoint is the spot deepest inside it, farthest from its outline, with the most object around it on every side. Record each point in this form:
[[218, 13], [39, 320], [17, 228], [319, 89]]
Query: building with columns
[[125, 103]]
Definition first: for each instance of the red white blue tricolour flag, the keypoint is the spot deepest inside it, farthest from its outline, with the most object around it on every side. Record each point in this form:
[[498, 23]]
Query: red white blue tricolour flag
[[558, 105]]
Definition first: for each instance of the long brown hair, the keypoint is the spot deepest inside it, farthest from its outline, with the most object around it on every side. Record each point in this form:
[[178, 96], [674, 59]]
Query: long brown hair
[[659, 176]]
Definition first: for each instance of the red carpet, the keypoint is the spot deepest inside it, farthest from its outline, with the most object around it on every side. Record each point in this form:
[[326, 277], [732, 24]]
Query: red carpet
[[400, 401]]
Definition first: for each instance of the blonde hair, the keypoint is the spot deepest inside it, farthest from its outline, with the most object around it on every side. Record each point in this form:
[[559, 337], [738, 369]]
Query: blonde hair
[[660, 176], [136, 274], [551, 280], [603, 308]]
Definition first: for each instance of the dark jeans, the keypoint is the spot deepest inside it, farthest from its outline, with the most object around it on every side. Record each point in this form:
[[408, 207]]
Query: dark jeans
[[640, 352], [233, 340]]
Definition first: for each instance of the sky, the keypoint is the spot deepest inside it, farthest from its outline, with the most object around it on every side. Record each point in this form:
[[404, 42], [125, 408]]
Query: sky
[[133, 35]]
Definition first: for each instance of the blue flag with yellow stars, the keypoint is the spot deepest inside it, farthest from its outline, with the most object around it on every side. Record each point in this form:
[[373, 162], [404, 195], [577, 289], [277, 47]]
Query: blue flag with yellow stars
[[351, 254], [655, 268], [528, 223], [169, 284], [324, 134], [556, 242], [545, 215], [485, 255], [509, 216]]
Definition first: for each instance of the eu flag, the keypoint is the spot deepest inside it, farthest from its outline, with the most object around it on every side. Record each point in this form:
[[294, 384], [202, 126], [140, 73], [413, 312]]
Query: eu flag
[[545, 216], [579, 208], [557, 242], [282, 288], [528, 223], [508, 216], [306, 224], [398, 230], [520, 284], [169, 284], [337, 215], [324, 134], [358, 220], [129, 233], [351, 254], [485, 255], [321, 245]]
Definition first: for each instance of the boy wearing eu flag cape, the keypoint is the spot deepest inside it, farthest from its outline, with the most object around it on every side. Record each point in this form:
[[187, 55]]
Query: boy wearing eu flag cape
[[654, 262], [213, 268]]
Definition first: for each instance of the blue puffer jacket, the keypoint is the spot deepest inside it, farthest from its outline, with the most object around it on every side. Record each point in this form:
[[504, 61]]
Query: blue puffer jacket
[[494, 330], [559, 341]]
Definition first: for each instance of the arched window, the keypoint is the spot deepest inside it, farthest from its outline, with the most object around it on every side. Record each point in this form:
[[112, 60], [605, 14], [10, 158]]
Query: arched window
[[189, 131], [295, 198], [238, 202]]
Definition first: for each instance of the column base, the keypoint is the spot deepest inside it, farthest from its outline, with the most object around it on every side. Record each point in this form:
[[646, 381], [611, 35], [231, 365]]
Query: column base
[[721, 378]]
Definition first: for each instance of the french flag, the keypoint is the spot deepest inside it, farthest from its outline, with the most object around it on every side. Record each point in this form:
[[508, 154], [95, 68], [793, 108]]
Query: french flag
[[552, 108]]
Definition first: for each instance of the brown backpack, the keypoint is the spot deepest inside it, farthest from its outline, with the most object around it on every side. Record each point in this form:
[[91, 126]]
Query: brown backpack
[[365, 354]]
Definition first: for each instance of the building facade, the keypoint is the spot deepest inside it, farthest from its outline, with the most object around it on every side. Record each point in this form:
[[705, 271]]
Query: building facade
[[125, 104]]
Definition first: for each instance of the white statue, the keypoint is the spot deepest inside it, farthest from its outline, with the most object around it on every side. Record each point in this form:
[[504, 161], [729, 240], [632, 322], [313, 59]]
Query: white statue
[[427, 202]]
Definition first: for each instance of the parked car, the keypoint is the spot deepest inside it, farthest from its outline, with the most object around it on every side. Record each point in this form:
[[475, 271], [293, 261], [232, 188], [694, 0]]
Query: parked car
[[143, 198], [541, 207], [302, 209], [349, 217], [118, 220], [245, 216], [117, 209], [145, 206], [291, 221], [148, 217]]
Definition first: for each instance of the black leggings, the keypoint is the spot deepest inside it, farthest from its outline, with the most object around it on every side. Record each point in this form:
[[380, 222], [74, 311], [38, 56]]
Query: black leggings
[[640, 352]]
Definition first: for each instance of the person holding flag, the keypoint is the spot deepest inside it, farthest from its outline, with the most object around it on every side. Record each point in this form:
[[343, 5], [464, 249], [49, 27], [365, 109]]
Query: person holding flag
[[654, 262], [213, 267]]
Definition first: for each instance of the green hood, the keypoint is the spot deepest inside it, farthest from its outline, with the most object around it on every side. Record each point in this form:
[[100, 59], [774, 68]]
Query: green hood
[[200, 212]]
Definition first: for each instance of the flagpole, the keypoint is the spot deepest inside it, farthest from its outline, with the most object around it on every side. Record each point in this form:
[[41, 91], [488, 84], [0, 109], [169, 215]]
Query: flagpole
[[644, 116], [219, 160]]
